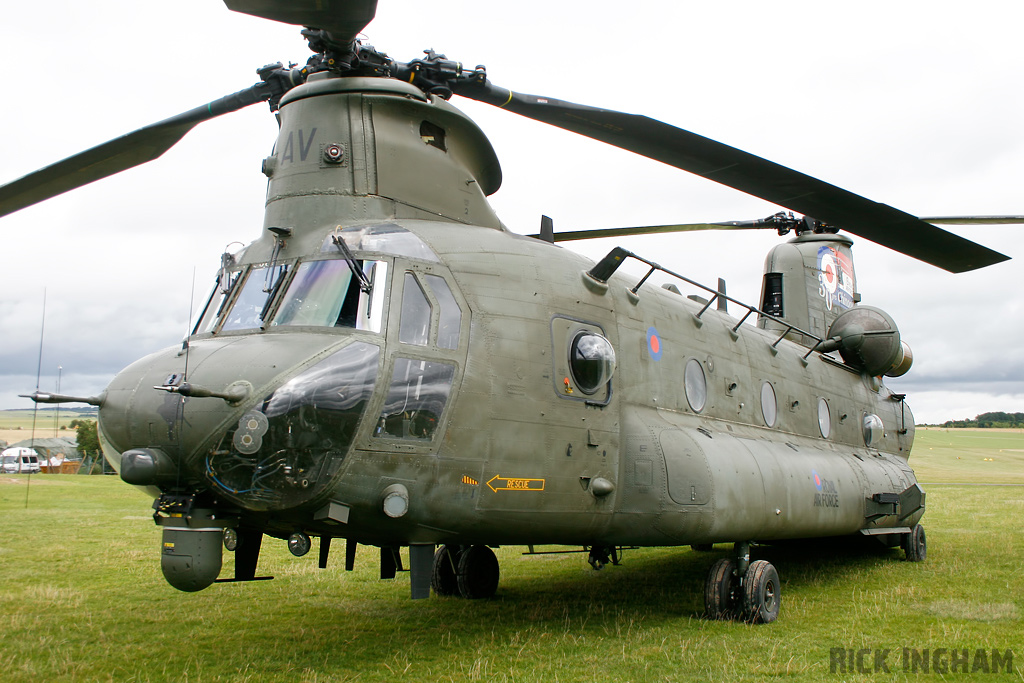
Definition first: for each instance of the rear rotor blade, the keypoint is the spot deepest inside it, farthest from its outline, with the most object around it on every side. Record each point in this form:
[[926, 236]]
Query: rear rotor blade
[[573, 235], [343, 19], [743, 171], [974, 220], [119, 154]]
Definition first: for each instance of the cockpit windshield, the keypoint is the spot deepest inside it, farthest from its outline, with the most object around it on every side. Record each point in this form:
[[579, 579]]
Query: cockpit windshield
[[323, 293], [343, 290], [327, 294], [248, 309]]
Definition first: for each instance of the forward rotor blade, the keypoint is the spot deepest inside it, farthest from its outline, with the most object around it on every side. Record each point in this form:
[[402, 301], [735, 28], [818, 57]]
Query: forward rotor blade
[[743, 171], [119, 154], [343, 19]]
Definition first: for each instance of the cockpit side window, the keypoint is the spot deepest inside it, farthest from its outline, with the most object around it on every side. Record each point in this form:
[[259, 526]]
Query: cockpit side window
[[429, 311], [414, 327], [214, 306], [450, 317]]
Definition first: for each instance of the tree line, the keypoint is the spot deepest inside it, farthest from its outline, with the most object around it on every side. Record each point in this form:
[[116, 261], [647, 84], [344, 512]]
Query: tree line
[[87, 438], [992, 420]]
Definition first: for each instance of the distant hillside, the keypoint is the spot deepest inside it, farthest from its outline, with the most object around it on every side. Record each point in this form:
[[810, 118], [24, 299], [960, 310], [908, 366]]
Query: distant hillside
[[85, 411], [46, 418]]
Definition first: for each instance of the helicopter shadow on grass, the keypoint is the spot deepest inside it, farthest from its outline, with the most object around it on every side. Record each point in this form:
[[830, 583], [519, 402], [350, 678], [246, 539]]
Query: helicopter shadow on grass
[[670, 584]]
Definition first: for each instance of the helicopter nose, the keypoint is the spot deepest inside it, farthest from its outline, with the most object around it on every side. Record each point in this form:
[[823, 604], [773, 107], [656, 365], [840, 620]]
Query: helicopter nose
[[277, 445]]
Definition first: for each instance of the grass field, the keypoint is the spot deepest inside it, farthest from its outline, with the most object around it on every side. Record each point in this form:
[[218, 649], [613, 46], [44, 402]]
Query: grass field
[[82, 599], [969, 455]]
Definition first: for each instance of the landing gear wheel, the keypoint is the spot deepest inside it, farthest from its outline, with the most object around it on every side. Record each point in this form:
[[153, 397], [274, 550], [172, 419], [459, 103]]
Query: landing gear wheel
[[720, 590], [599, 557], [477, 572], [443, 577], [762, 593], [702, 547], [915, 545]]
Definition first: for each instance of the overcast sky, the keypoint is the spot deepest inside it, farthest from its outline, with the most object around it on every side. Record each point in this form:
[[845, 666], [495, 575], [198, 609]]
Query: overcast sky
[[915, 104]]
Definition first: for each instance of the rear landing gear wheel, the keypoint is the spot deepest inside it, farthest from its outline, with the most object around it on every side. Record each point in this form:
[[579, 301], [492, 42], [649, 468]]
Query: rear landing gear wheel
[[477, 572], [720, 590], [762, 593], [443, 577], [915, 545]]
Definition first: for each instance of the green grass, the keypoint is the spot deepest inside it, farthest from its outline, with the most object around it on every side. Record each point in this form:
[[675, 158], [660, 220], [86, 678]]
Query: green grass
[[82, 599], [968, 455]]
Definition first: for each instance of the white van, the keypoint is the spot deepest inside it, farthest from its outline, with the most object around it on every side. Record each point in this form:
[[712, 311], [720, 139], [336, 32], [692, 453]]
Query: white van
[[20, 460]]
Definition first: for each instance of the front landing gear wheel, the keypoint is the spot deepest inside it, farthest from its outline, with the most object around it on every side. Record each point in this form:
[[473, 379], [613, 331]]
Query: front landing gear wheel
[[762, 593], [477, 572], [720, 590], [443, 577], [915, 545]]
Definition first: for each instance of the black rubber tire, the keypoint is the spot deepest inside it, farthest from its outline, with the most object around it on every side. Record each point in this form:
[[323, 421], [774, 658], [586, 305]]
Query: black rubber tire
[[702, 547], [720, 590], [762, 593], [477, 573], [915, 545], [443, 577]]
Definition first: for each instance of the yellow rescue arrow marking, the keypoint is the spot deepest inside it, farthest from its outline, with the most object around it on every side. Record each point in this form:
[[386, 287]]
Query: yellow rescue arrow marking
[[499, 483]]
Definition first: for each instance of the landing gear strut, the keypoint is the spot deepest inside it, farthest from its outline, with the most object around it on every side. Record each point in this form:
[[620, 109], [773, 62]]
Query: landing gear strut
[[601, 555], [741, 589]]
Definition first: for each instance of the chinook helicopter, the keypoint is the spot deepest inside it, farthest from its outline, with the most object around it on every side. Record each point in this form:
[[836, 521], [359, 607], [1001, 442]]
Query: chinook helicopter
[[387, 364]]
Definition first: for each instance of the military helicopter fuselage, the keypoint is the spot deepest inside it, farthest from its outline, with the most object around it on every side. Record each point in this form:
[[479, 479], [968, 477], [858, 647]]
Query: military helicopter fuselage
[[389, 365]]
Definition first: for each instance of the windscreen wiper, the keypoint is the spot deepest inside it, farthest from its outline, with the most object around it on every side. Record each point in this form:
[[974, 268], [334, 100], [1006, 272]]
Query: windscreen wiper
[[364, 282]]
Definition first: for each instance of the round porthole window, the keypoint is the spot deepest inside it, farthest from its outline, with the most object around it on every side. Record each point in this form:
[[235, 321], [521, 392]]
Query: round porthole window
[[874, 430], [695, 385], [591, 361], [824, 418], [769, 407]]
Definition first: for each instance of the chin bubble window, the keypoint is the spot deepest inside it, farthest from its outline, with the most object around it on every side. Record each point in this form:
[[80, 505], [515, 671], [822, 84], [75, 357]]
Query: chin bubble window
[[416, 399], [591, 361]]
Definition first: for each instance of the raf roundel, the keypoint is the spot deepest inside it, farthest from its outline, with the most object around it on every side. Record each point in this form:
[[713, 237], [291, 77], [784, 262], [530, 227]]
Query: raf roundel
[[653, 343]]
